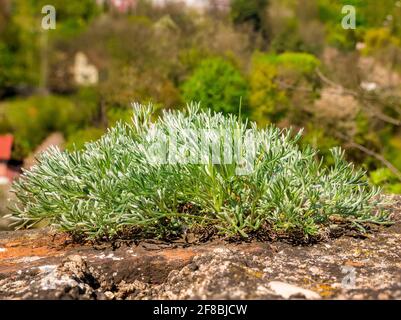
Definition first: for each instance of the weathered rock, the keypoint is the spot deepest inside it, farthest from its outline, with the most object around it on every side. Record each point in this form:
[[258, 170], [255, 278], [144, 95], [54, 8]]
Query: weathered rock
[[222, 274], [38, 264], [288, 291]]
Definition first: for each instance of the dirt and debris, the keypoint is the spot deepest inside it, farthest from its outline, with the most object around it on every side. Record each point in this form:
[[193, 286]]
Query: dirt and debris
[[38, 264]]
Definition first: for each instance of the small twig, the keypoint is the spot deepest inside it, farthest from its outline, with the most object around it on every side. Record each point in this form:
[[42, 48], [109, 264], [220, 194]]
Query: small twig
[[369, 152]]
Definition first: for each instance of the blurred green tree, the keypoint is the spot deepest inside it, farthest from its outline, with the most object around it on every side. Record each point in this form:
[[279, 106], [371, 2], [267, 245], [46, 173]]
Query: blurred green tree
[[274, 80], [217, 84], [32, 120]]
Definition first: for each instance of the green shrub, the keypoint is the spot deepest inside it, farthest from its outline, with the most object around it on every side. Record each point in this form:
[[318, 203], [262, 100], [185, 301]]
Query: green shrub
[[32, 120], [273, 80], [77, 140], [8, 73], [217, 84], [116, 184], [385, 178], [378, 40]]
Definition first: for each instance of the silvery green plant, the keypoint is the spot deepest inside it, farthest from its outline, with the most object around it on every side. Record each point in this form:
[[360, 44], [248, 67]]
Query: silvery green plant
[[128, 180]]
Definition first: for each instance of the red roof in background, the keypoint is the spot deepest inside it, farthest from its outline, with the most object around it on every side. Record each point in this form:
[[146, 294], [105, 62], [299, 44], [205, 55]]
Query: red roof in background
[[6, 144]]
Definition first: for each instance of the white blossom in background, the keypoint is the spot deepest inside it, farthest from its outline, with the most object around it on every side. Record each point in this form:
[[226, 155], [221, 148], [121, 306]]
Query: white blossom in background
[[368, 86], [360, 46]]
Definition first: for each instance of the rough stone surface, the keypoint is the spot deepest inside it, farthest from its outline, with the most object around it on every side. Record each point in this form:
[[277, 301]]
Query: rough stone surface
[[39, 264], [288, 291]]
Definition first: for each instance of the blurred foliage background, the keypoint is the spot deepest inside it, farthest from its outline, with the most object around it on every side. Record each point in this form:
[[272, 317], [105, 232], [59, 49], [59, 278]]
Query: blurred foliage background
[[288, 62]]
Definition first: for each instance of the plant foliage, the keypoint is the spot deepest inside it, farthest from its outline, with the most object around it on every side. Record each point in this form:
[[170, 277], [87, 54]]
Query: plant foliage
[[112, 185], [217, 84]]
